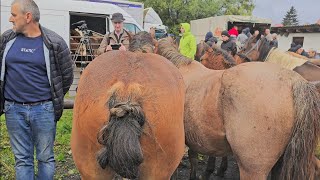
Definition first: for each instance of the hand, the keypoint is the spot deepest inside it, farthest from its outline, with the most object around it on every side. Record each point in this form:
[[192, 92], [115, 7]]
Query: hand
[[109, 48], [122, 47]]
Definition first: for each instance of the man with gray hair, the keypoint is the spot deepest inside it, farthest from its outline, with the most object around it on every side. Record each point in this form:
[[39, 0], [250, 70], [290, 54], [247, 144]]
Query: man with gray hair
[[36, 72]]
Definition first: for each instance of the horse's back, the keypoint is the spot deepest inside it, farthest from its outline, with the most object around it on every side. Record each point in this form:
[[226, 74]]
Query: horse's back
[[147, 79]]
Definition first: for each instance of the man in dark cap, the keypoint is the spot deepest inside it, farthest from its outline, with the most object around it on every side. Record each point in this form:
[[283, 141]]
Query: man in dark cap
[[119, 37], [228, 45]]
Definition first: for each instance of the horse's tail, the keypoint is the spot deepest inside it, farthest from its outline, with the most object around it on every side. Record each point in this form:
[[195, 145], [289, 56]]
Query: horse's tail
[[120, 137], [298, 156]]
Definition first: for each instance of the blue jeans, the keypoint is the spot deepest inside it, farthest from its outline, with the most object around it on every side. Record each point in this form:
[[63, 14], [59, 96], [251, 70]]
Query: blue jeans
[[32, 126]]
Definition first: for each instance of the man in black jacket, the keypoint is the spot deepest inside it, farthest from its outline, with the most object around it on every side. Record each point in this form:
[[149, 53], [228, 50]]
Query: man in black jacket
[[36, 72], [228, 45]]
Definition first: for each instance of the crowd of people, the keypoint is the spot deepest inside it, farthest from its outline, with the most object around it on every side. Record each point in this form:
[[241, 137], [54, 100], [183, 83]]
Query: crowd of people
[[39, 60], [232, 41], [298, 49]]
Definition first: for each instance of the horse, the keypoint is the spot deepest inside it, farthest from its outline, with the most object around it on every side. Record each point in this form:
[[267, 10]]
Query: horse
[[219, 59], [128, 117], [143, 42], [259, 49], [237, 111], [209, 60]]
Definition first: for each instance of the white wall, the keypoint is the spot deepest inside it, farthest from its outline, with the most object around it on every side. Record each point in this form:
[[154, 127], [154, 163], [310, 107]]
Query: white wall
[[311, 41]]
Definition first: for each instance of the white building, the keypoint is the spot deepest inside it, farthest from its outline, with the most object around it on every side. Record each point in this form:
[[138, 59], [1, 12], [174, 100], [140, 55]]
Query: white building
[[307, 35]]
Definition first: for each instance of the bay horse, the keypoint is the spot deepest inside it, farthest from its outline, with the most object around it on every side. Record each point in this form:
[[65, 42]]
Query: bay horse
[[200, 50], [128, 117], [219, 59], [143, 42], [259, 49], [210, 60], [237, 111]]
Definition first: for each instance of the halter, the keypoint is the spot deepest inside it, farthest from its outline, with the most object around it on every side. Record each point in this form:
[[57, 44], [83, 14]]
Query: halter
[[244, 57], [241, 55]]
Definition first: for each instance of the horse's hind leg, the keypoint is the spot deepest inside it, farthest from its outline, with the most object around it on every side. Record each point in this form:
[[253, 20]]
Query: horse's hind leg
[[223, 166], [193, 158], [276, 170], [247, 175], [175, 175], [209, 169]]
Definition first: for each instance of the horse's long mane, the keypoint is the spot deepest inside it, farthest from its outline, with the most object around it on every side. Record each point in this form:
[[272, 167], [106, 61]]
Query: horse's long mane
[[264, 49], [228, 59], [167, 50]]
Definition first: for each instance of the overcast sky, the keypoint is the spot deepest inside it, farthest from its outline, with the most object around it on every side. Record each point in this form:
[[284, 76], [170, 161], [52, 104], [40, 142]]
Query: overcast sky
[[308, 10]]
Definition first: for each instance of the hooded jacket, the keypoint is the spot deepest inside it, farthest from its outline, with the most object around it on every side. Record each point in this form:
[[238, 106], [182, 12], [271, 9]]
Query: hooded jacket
[[188, 46]]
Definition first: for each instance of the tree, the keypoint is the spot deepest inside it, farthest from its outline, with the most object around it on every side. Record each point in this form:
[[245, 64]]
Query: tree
[[174, 12], [291, 18]]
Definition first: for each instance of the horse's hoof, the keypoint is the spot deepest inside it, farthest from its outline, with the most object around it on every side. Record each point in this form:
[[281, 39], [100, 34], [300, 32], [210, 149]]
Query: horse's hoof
[[220, 174]]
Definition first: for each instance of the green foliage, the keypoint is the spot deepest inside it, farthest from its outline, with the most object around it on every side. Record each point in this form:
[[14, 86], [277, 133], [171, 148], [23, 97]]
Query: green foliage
[[174, 12], [291, 18]]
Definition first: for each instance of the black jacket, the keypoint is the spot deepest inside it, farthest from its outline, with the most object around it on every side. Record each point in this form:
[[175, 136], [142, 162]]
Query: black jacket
[[61, 67], [229, 46]]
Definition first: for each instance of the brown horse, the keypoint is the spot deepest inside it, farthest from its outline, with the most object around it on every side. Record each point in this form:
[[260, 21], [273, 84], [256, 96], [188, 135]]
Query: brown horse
[[128, 117], [219, 59], [259, 49], [200, 51], [210, 59], [237, 111]]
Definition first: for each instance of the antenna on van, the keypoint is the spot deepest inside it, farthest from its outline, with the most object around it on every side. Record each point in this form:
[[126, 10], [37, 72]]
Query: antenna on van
[[84, 45]]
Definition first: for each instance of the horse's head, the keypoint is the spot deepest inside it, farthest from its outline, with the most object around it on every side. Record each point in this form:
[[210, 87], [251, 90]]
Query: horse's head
[[205, 54], [200, 50], [250, 49], [256, 48], [216, 58], [142, 42]]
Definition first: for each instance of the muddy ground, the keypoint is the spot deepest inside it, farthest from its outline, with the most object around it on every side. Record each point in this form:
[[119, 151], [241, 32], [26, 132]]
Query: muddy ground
[[232, 172]]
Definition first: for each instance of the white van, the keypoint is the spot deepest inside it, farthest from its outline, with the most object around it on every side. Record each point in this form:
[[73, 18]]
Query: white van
[[59, 15]]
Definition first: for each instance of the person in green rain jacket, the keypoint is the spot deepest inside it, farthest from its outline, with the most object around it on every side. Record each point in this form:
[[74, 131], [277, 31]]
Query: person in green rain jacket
[[188, 45]]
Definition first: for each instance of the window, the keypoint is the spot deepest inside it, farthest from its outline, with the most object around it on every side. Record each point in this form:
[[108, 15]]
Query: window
[[298, 40], [160, 33], [131, 28], [95, 22]]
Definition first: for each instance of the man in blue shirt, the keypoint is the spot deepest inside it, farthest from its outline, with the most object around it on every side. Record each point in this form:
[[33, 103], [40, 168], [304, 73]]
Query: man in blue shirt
[[36, 72]]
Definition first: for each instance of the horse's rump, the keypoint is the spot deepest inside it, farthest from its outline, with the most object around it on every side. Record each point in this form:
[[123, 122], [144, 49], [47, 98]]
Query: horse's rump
[[142, 95], [290, 115]]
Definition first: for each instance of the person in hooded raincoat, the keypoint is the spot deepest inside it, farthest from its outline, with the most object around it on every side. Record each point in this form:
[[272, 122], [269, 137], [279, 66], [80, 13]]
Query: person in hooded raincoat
[[187, 46]]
